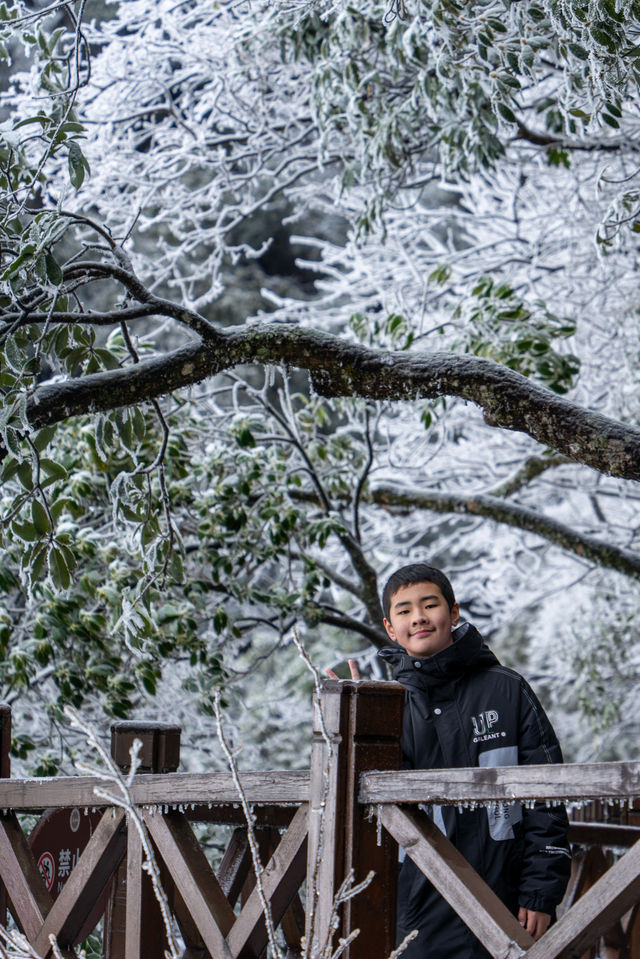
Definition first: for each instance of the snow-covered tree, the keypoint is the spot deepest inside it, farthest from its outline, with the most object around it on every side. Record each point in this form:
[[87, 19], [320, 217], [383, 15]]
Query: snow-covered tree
[[396, 245]]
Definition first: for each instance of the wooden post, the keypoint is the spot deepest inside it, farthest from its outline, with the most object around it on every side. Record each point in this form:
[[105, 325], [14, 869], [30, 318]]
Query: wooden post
[[133, 923], [357, 727], [5, 773]]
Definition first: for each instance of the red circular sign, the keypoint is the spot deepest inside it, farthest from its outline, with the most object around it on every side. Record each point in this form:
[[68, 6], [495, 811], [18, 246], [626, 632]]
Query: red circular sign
[[47, 867]]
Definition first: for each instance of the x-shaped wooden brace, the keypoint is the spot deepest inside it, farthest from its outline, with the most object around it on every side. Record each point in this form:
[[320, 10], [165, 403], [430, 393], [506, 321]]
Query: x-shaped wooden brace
[[488, 918], [33, 907], [224, 935]]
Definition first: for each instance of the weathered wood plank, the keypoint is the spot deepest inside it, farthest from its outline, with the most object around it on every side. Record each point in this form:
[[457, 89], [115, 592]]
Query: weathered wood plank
[[235, 865], [633, 933], [97, 864], [30, 901], [5, 772], [453, 877], [267, 841], [571, 782], [5, 740], [278, 817], [274, 786], [193, 876], [609, 835], [363, 723], [113, 936], [594, 913], [293, 923], [133, 903], [281, 879]]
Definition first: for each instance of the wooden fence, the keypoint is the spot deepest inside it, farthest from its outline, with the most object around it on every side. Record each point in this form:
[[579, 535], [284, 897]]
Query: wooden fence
[[344, 817]]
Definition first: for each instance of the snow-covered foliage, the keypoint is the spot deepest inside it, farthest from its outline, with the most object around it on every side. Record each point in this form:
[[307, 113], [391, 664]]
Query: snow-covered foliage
[[414, 176]]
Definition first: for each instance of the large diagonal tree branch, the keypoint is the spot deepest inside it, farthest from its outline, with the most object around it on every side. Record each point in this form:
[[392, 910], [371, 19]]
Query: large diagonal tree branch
[[409, 499], [513, 514], [339, 368]]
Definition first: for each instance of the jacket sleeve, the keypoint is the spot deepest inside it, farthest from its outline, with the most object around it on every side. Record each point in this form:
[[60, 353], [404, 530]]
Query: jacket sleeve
[[546, 864]]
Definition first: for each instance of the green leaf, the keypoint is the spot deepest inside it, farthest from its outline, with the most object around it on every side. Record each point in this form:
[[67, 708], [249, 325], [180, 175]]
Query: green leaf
[[58, 567], [441, 274], [53, 470], [220, 620], [245, 438], [25, 475], [40, 517], [604, 39], [137, 420], [9, 468], [579, 51], [506, 112], [22, 257], [43, 437], [109, 361], [510, 81], [124, 427], [54, 272], [12, 441], [25, 531], [14, 355], [38, 559], [78, 165], [176, 566], [56, 508]]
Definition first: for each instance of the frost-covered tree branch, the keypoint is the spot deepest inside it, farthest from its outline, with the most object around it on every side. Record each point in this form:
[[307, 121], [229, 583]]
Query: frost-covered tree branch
[[340, 368], [521, 517]]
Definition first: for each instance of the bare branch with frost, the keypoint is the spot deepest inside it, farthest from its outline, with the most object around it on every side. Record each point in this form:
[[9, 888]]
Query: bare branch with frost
[[249, 817], [110, 773], [521, 517]]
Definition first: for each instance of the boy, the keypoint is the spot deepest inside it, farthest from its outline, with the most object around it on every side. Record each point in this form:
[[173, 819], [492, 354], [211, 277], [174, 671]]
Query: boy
[[463, 708]]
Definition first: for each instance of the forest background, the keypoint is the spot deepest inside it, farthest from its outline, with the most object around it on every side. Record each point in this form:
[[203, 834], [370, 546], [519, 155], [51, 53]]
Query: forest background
[[294, 293]]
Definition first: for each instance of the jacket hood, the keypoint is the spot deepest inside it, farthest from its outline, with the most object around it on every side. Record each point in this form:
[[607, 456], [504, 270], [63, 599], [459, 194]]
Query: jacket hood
[[467, 652]]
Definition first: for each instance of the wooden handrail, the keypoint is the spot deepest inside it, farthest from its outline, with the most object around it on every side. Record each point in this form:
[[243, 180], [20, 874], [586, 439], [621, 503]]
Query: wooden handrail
[[278, 787], [617, 782], [577, 782], [607, 835]]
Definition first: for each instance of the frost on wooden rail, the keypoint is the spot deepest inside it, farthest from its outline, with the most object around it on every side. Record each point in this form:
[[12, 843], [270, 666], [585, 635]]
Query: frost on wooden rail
[[334, 828]]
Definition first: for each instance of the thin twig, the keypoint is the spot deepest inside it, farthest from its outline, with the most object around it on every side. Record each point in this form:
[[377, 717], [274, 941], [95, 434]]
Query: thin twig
[[113, 774], [249, 820], [403, 945]]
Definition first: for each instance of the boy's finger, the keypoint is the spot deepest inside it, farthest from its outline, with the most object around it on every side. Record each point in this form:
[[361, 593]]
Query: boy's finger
[[353, 669], [330, 673]]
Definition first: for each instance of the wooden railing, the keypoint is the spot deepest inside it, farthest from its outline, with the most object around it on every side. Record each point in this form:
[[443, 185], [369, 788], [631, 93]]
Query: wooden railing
[[339, 820]]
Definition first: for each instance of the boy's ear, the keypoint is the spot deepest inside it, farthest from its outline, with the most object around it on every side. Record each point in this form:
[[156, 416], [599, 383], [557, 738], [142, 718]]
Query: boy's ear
[[455, 614], [391, 633]]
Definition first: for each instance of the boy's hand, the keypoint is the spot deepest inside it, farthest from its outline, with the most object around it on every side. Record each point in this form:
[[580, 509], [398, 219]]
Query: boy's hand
[[353, 669], [536, 923]]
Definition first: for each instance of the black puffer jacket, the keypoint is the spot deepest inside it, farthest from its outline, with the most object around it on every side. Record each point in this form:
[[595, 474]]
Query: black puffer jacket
[[464, 709]]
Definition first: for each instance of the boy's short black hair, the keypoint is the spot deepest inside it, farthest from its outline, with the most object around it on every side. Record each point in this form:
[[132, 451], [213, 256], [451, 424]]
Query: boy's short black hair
[[416, 573]]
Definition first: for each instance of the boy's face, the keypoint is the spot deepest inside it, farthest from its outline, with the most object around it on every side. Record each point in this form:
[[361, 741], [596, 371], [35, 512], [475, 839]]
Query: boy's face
[[420, 619]]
